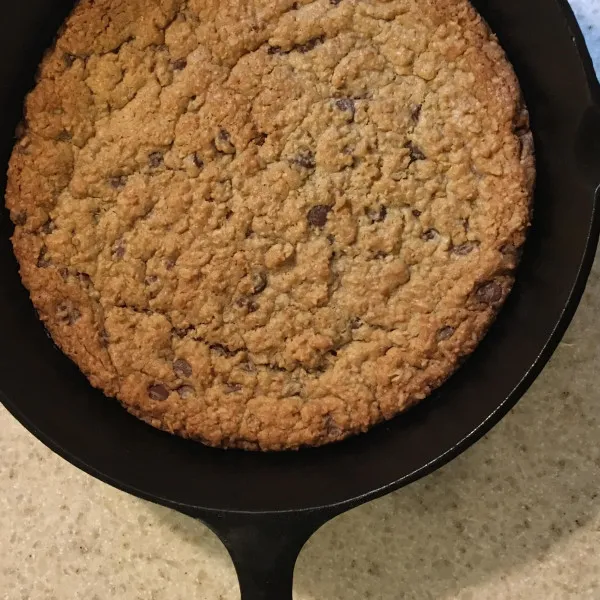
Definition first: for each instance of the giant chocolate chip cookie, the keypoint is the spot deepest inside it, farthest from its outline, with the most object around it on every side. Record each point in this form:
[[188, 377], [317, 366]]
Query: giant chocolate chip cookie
[[266, 223]]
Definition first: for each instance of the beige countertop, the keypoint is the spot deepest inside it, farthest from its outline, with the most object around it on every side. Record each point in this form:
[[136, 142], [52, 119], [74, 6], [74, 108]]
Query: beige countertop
[[516, 516]]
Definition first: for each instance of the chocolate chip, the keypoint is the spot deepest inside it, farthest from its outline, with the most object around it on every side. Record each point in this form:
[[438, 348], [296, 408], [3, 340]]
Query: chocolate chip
[[48, 227], [310, 44], [295, 6], [317, 215], [415, 112], [416, 213], [158, 392], [356, 323], [198, 162], [521, 131], [117, 182], [180, 64], [67, 314], [259, 282], [430, 234], [186, 392], [182, 332], [170, 263], [275, 50], [222, 350], [445, 333], [377, 215], [43, 262], [464, 249], [64, 136], [20, 218], [155, 159], [346, 104], [415, 152], [334, 2], [305, 159], [260, 139], [182, 368], [331, 427], [331, 238], [84, 278], [489, 292], [223, 142], [119, 249], [228, 214], [248, 303]]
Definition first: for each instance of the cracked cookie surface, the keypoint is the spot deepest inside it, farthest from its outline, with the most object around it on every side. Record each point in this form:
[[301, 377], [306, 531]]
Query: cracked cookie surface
[[267, 224]]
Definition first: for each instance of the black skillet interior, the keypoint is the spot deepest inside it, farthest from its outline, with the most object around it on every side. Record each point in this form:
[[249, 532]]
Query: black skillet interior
[[46, 392]]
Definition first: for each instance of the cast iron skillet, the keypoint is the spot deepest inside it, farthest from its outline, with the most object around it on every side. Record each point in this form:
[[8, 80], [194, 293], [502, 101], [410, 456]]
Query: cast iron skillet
[[265, 506]]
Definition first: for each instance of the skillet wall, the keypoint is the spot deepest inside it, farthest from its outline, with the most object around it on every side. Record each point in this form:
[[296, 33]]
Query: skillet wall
[[49, 395]]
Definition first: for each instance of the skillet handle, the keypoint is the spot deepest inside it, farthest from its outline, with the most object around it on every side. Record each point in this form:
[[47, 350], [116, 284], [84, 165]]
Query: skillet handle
[[264, 549]]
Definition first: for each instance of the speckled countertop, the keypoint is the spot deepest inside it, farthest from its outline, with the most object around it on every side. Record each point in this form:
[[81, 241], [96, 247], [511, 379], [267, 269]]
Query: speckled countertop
[[516, 516]]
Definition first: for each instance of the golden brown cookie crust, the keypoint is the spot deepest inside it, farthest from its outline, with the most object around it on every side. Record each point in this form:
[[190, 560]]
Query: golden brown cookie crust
[[268, 224]]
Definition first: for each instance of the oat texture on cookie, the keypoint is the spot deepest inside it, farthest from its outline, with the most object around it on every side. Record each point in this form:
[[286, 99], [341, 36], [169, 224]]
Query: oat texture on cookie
[[271, 223]]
